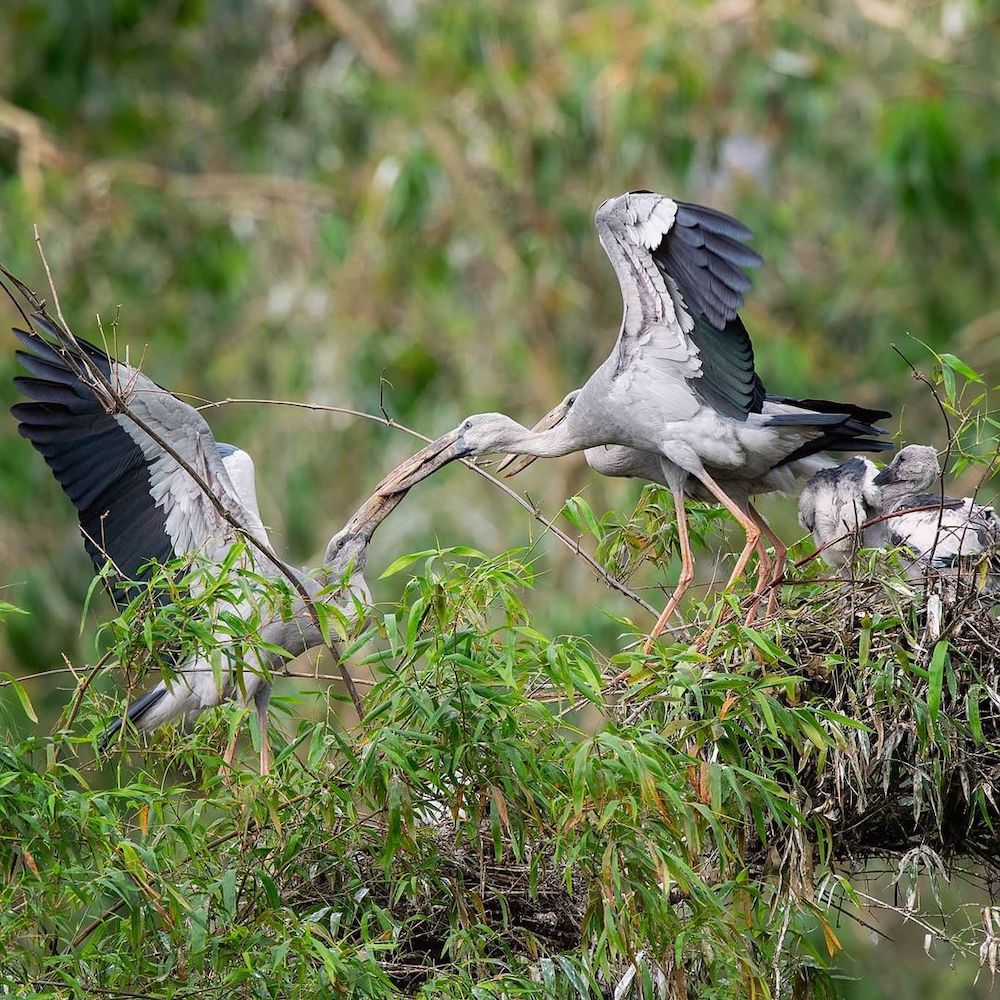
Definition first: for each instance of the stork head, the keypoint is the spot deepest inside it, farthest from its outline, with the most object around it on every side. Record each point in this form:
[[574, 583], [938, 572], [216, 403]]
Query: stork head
[[347, 553], [347, 549], [913, 469], [513, 464]]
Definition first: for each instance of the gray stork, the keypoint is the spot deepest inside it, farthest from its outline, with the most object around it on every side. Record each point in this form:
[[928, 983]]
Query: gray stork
[[834, 506], [138, 506], [942, 533], [680, 382], [618, 461]]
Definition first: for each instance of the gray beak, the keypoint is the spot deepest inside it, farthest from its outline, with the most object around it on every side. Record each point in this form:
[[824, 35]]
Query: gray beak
[[885, 477], [375, 510], [426, 462], [513, 464]]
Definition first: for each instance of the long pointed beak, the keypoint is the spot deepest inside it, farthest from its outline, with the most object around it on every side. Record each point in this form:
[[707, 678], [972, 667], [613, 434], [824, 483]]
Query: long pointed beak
[[372, 513], [424, 463], [513, 464], [885, 477]]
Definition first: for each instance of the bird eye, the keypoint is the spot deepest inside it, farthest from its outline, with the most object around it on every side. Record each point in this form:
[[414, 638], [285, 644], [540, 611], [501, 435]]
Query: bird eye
[[466, 425]]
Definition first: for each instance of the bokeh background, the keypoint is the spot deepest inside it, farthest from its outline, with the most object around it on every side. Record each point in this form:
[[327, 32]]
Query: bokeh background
[[389, 202]]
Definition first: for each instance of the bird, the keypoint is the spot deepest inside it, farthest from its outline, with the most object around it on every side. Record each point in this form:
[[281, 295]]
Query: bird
[[618, 461], [938, 532], [834, 506], [859, 504], [121, 463], [680, 381]]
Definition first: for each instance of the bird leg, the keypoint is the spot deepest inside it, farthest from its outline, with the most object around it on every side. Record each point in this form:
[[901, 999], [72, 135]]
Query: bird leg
[[765, 567], [687, 568], [768, 570], [746, 522], [779, 562]]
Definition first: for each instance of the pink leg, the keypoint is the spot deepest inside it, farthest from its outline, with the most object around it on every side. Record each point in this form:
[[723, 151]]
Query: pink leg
[[687, 570], [778, 564], [752, 537], [746, 522]]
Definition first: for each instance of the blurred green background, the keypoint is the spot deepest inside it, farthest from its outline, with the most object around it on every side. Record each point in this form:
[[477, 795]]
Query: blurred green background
[[345, 202]]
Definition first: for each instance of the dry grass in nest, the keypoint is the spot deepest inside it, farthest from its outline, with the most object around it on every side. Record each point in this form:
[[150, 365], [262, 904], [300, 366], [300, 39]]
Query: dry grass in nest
[[922, 675]]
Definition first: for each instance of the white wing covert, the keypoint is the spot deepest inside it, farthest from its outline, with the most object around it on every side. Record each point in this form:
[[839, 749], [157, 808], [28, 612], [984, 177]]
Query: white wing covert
[[680, 267]]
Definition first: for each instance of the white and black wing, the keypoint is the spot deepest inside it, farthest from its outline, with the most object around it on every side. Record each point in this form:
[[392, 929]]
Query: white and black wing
[[135, 502], [682, 272]]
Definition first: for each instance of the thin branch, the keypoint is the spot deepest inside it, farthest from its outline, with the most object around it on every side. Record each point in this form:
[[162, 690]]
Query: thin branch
[[81, 690], [48, 274]]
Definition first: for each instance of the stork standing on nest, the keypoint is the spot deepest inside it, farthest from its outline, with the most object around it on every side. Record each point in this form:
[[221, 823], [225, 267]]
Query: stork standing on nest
[[139, 506], [680, 382], [618, 461]]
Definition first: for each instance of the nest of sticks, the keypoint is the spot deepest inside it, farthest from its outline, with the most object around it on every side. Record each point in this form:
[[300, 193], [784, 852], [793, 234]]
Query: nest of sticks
[[917, 663]]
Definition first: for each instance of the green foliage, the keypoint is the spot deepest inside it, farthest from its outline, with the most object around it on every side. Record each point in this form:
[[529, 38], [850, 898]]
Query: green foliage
[[508, 821]]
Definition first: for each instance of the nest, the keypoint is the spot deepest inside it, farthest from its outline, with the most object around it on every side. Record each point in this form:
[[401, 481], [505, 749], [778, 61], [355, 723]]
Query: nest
[[921, 673], [525, 902]]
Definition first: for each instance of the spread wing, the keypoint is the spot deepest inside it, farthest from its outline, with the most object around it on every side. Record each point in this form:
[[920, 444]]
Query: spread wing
[[681, 271], [135, 502]]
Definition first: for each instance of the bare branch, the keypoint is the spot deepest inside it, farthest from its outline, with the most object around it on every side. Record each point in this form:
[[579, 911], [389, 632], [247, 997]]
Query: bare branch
[[574, 546]]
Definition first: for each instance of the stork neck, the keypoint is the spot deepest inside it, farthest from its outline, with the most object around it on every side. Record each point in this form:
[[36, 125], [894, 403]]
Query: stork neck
[[563, 439]]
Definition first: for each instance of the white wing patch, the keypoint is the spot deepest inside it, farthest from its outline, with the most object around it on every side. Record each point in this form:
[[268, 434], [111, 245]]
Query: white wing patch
[[651, 219], [191, 520]]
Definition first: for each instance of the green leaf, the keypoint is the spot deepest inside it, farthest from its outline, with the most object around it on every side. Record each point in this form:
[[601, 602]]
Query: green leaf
[[935, 680], [581, 515], [972, 712], [229, 892], [958, 365], [22, 695], [402, 562]]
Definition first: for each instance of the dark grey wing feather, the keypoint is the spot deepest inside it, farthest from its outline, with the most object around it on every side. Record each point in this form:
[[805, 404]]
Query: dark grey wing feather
[[135, 504], [862, 413], [703, 257], [100, 468], [728, 380], [702, 253]]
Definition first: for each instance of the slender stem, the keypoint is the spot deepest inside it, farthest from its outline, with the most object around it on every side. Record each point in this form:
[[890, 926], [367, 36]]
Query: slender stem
[[48, 274]]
